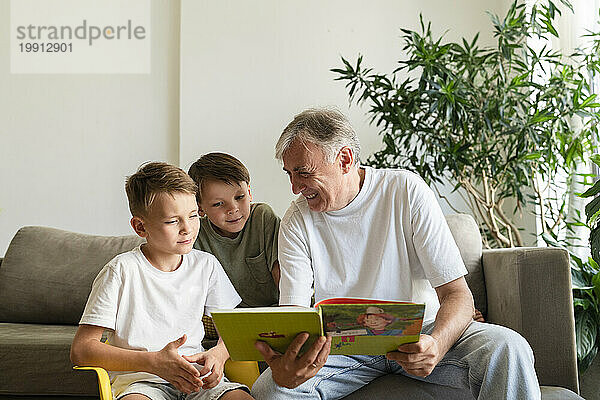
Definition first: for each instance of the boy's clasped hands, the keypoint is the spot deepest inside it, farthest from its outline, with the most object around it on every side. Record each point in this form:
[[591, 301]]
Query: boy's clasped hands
[[181, 371]]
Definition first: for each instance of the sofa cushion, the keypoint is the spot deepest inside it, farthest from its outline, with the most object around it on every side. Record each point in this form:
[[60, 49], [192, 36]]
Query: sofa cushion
[[466, 234], [47, 274], [47, 348]]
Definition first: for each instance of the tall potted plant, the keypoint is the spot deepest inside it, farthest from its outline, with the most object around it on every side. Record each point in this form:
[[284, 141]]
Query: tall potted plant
[[501, 123], [506, 123]]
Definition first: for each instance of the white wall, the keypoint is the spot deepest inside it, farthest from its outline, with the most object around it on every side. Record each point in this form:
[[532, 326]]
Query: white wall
[[247, 67], [68, 141]]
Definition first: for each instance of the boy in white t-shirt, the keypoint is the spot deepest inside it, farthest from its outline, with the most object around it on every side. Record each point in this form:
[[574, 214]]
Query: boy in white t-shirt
[[152, 298]]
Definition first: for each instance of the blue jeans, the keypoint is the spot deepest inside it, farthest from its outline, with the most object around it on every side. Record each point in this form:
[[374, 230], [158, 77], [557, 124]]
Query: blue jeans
[[492, 361]]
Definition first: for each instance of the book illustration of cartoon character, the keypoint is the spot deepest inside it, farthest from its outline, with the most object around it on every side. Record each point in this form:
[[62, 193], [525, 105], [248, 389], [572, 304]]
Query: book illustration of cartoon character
[[376, 320]]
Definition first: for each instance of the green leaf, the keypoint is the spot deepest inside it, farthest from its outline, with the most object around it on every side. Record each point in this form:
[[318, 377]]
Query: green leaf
[[550, 27], [595, 243], [596, 282], [594, 190], [578, 280], [592, 207], [586, 362], [583, 303], [595, 159], [587, 101], [593, 264], [540, 117], [532, 156], [591, 221], [586, 332], [474, 41], [567, 4], [348, 65]]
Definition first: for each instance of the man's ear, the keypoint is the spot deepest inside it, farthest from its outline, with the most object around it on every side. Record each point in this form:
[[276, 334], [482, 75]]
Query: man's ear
[[138, 226], [249, 192], [346, 159], [201, 211]]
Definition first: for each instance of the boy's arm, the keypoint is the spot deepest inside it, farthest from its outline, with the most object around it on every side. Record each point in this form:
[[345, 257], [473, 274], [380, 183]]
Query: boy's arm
[[213, 361], [88, 350], [276, 273]]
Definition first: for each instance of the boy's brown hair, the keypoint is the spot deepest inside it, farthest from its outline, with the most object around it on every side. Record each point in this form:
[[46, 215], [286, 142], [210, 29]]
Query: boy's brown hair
[[218, 167], [152, 179]]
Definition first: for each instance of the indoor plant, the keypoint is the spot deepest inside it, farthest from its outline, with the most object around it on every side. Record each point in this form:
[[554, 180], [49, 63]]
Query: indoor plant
[[500, 123], [503, 124]]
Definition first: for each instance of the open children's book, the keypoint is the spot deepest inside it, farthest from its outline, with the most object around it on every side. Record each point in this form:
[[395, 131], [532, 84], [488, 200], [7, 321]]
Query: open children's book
[[357, 326]]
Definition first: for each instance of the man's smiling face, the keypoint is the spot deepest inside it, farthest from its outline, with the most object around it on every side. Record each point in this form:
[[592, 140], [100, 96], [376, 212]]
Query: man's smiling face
[[320, 182]]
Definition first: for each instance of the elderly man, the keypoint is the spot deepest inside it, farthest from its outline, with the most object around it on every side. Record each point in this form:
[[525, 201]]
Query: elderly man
[[363, 232]]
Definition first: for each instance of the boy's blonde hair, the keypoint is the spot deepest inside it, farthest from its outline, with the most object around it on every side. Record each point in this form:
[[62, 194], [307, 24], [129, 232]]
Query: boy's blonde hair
[[218, 167], [152, 179]]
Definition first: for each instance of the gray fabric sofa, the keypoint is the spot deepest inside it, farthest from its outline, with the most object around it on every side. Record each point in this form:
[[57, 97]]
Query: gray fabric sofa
[[45, 279], [47, 273]]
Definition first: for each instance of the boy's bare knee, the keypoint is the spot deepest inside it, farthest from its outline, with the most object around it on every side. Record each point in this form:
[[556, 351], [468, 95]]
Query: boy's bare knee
[[135, 396], [237, 394]]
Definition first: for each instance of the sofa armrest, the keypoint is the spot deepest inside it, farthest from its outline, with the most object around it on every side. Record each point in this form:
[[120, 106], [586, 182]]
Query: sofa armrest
[[529, 291]]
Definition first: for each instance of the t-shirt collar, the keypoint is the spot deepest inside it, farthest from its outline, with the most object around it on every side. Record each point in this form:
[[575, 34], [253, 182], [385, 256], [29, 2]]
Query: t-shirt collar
[[148, 265], [357, 202]]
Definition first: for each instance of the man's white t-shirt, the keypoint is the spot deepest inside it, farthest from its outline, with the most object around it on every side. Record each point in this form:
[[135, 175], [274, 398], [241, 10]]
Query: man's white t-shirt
[[390, 243], [145, 308]]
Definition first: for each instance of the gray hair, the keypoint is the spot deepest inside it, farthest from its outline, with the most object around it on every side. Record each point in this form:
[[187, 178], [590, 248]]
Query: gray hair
[[327, 128]]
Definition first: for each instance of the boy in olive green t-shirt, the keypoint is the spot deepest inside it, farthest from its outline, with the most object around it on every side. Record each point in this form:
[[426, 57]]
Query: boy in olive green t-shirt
[[243, 236]]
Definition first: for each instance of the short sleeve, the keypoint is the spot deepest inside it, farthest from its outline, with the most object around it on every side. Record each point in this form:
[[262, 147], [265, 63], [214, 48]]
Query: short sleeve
[[271, 232], [221, 293], [433, 241], [101, 307], [296, 282]]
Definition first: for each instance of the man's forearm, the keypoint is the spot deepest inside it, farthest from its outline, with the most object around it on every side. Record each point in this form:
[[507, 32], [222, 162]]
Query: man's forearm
[[453, 317]]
